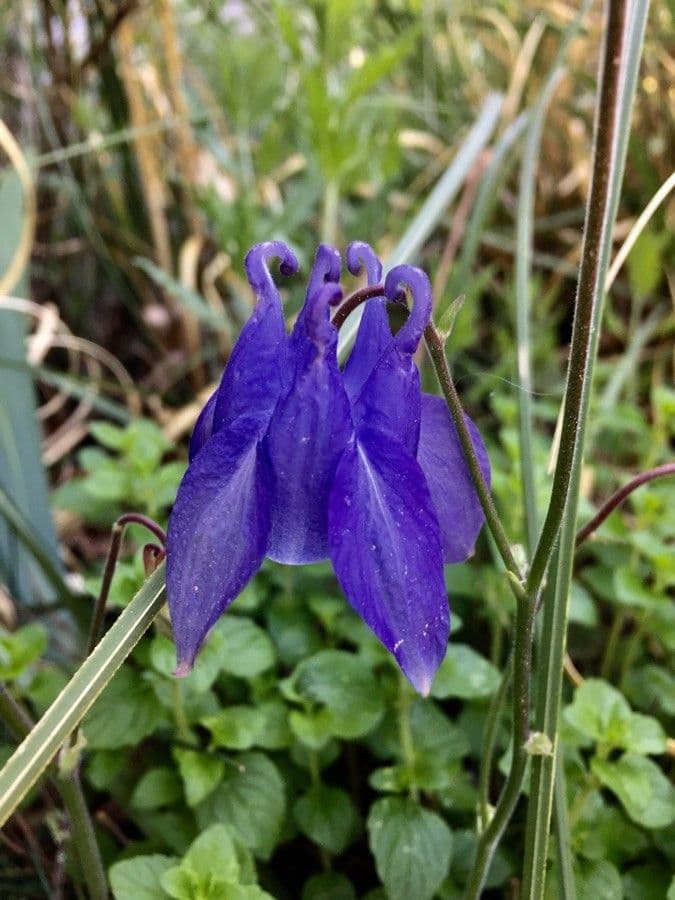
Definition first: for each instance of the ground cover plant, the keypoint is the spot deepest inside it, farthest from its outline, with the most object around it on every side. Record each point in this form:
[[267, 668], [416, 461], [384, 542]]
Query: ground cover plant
[[511, 166]]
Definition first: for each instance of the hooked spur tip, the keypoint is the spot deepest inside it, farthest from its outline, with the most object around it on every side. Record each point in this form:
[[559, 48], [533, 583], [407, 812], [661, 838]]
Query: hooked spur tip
[[258, 258], [359, 254]]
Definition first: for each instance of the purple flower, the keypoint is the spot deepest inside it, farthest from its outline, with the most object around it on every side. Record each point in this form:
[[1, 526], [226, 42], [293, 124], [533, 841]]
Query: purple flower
[[297, 461]]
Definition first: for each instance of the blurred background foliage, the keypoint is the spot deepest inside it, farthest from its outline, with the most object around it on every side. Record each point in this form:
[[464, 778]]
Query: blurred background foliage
[[149, 144]]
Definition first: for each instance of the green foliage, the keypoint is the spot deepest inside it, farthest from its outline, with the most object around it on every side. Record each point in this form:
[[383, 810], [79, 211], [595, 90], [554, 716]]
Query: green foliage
[[214, 867], [125, 472], [412, 848], [292, 740]]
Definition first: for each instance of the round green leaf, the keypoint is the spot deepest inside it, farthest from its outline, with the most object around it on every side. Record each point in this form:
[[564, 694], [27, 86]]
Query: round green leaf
[[327, 816], [466, 674], [412, 848], [647, 795]]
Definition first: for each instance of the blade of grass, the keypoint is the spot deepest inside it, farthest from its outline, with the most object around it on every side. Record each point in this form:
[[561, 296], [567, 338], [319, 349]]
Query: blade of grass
[[436, 203], [30, 759]]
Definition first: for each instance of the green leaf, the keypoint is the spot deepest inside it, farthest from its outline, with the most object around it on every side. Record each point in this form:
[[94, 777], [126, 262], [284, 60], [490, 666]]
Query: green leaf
[[125, 713], [344, 690], [140, 878], [243, 727], [328, 817], [466, 674], [630, 590], [645, 265], [602, 713], [21, 648], [647, 795], [213, 854], [246, 650], [201, 774], [603, 832], [157, 787], [412, 848], [598, 881], [646, 882], [251, 799], [328, 886]]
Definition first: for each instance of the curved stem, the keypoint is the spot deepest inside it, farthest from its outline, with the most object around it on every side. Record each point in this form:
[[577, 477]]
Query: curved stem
[[617, 498], [437, 352], [110, 564], [351, 302]]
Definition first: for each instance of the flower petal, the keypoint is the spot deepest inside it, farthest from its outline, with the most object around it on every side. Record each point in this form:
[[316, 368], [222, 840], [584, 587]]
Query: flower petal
[[203, 427], [308, 432], [386, 550], [217, 535], [374, 334], [390, 399], [254, 375], [440, 455]]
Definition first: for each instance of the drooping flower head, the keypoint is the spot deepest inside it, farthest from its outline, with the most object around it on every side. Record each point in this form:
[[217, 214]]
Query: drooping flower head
[[297, 461]]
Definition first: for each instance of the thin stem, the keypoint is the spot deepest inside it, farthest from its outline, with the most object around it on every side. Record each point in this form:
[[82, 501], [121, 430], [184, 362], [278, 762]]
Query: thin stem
[[18, 721], [617, 498], [405, 733], [351, 302], [492, 723], [491, 836], [111, 562], [595, 251], [437, 352]]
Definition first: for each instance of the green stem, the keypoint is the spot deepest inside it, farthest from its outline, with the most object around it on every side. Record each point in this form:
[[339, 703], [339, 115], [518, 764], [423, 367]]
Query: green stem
[[69, 787], [405, 696], [615, 96], [600, 216], [566, 882], [492, 723], [436, 348], [491, 836]]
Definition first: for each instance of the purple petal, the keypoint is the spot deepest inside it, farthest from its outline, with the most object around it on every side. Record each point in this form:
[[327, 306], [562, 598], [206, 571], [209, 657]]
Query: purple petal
[[217, 535], [440, 455], [386, 551], [254, 375], [326, 269], [307, 435], [203, 427], [390, 399], [374, 334]]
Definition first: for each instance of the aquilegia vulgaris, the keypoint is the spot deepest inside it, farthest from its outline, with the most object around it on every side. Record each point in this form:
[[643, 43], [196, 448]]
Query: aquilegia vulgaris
[[296, 460]]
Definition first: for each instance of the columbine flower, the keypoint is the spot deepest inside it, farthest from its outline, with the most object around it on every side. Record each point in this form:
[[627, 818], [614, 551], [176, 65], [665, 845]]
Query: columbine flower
[[294, 460]]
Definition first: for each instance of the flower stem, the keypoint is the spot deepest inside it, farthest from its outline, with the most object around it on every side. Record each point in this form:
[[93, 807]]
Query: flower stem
[[490, 837], [110, 564], [600, 215], [619, 66], [437, 352]]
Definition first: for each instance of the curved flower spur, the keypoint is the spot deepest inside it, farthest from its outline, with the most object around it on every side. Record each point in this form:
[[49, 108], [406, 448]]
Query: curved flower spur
[[294, 460]]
